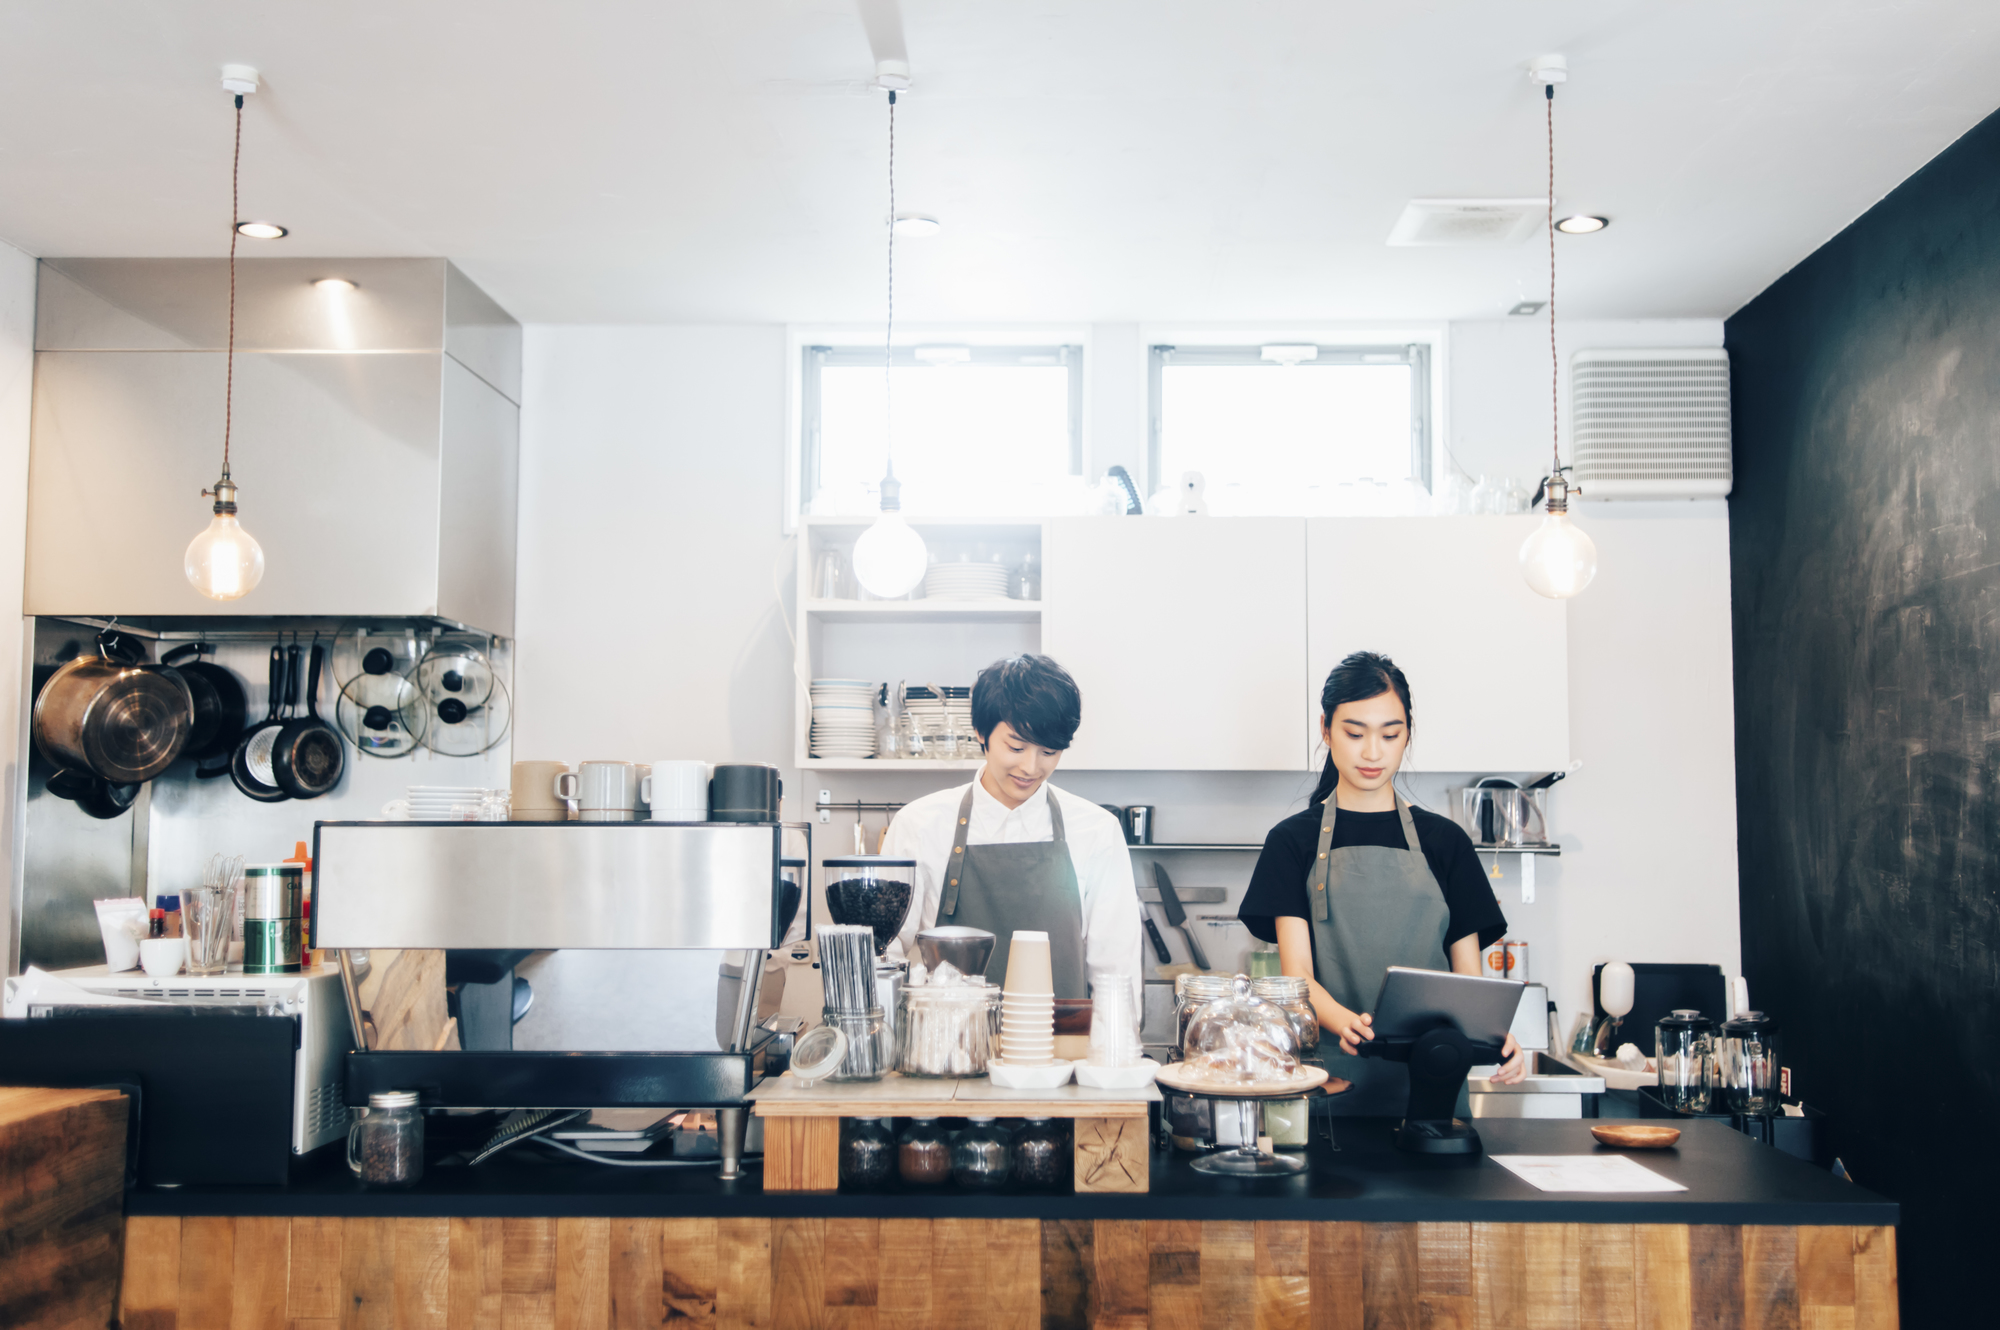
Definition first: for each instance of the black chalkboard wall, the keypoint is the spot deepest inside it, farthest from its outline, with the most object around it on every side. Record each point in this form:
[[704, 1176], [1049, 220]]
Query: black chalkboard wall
[[1865, 572]]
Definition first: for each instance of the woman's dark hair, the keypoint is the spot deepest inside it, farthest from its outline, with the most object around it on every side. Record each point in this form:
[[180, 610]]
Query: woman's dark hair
[[1363, 675], [1033, 694]]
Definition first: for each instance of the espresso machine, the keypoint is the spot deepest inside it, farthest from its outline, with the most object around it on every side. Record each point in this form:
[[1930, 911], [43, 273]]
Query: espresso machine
[[643, 945]]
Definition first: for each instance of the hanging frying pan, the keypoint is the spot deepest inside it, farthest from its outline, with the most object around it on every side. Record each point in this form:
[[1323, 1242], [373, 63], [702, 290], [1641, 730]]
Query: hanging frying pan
[[250, 764], [220, 704], [95, 795], [308, 756]]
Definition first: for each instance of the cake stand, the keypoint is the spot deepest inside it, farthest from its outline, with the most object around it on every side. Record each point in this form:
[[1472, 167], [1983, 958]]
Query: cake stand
[[1247, 1160]]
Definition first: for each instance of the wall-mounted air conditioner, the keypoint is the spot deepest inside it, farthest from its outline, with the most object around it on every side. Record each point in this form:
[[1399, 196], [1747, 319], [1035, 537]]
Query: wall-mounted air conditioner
[[1651, 424]]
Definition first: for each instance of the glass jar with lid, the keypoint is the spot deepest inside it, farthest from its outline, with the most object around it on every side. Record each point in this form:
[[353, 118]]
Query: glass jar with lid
[[983, 1154], [1293, 996], [1242, 1038], [385, 1146], [867, 1153], [1191, 993], [1042, 1154], [1747, 1062], [946, 1029], [923, 1153], [1684, 1053]]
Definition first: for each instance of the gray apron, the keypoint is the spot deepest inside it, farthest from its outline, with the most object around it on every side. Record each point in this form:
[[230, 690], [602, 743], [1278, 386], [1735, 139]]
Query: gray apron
[[1030, 885], [1373, 906]]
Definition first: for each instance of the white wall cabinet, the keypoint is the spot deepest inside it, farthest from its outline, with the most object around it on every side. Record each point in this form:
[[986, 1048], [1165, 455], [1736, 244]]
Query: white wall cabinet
[[1487, 659], [1187, 637]]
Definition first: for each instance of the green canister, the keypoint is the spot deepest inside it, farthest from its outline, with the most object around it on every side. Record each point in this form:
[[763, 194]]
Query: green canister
[[273, 918]]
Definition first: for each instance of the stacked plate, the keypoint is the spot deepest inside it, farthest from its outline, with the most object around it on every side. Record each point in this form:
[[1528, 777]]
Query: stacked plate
[[966, 581], [444, 803], [843, 718]]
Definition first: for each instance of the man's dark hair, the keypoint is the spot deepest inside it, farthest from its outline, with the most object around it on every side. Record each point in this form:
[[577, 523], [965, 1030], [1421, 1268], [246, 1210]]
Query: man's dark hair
[[1034, 695]]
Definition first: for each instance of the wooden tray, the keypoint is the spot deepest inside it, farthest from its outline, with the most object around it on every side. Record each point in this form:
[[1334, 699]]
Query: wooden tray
[[1633, 1136]]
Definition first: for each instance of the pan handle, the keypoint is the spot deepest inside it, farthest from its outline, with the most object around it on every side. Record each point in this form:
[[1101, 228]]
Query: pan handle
[[294, 677], [277, 681], [312, 681], [184, 650]]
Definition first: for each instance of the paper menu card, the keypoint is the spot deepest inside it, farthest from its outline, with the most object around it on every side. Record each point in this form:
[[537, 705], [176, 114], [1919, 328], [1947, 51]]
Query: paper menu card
[[1600, 1173]]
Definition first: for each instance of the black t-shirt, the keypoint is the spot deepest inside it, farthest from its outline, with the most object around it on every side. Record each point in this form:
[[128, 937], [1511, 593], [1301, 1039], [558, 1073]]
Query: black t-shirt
[[1278, 886]]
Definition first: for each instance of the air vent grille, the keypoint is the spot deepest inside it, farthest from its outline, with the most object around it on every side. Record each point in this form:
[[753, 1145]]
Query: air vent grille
[[1651, 424], [1474, 223]]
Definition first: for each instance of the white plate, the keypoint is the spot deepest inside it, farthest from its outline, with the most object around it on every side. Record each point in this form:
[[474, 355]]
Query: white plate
[[1049, 1077], [1117, 1078]]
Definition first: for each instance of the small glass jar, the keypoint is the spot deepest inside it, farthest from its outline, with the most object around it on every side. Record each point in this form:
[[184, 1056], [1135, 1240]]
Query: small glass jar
[[946, 1029], [923, 1153], [867, 1153], [1192, 992], [1042, 1154], [385, 1146], [982, 1156], [1748, 1064], [1683, 1051], [1294, 997], [871, 1044]]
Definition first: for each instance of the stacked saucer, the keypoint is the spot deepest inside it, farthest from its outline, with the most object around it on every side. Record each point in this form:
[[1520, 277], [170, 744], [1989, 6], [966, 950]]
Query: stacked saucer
[[965, 581], [1028, 1003], [445, 803], [843, 718]]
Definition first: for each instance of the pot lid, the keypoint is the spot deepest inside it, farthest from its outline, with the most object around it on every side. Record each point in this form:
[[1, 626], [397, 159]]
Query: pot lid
[[453, 727], [375, 711], [455, 672]]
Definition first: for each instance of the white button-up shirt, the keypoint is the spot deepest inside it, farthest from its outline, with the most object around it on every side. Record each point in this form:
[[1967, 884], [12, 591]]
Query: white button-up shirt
[[925, 829]]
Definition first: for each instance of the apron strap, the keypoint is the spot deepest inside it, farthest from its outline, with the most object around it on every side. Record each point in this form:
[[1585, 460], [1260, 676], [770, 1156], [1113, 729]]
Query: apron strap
[[955, 865], [1316, 881], [1055, 815]]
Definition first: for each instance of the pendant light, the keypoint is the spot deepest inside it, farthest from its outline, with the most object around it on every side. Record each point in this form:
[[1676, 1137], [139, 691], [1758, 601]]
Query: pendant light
[[1558, 560], [225, 562], [890, 558]]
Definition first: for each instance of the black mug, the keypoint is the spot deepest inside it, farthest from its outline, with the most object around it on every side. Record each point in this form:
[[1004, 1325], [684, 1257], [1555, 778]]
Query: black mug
[[745, 792], [1139, 824]]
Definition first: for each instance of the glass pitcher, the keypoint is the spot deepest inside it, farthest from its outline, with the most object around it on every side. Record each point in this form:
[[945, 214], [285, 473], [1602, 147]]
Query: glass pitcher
[[1748, 1064], [1684, 1051]]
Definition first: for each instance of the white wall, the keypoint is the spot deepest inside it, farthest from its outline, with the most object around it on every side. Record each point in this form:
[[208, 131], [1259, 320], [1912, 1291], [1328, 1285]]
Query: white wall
[[652, 481], [17, 375], [651, 557]]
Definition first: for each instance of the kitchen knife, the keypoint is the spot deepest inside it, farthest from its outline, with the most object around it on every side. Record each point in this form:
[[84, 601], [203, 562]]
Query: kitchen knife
[[1153, 932], [1171, 903]]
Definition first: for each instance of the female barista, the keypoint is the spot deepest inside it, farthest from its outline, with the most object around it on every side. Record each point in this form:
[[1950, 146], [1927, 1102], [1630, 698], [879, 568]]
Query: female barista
[[1360, 881], [1010, 851]]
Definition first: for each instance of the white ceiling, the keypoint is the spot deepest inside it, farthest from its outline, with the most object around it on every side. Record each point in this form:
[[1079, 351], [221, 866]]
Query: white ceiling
[[1184, 160]]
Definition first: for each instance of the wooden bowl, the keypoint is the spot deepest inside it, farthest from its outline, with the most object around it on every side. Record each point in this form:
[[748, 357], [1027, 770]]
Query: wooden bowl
[[1632, 1136]]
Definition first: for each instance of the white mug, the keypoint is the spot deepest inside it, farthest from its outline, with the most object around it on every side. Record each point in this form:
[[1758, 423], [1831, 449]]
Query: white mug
[[604, 791], [162, 957], [677, 790]]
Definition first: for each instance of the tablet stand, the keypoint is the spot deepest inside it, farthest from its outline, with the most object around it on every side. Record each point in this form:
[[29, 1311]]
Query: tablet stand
[[1439, 1058]]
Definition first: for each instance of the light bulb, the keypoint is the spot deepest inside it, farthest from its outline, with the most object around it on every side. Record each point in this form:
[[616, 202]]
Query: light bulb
[[890, 558], [1558, 559], [224, 562]]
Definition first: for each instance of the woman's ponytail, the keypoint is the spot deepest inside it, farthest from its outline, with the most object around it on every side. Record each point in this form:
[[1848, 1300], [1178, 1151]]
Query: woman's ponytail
[[1362, 675]]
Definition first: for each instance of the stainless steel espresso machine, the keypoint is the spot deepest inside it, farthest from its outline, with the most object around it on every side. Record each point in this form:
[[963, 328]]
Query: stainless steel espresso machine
[[645, 940]]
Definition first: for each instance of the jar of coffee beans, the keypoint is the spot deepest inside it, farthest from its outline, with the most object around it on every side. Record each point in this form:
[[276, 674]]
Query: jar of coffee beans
[[385, 1146], [1042, 1154], [867, 1153]]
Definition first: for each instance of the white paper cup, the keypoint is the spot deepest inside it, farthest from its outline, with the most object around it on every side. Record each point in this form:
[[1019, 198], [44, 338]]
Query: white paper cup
[[1028, 969]]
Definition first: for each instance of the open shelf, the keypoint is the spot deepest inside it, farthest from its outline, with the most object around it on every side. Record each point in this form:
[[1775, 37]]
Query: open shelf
[[916, 765]]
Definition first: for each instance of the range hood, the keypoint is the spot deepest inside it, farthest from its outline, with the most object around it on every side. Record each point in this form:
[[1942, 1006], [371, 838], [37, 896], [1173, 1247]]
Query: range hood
[[375, 440]]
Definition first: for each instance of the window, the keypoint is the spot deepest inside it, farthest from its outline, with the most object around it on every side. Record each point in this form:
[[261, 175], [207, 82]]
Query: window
[[978, 429], [1295, 429]]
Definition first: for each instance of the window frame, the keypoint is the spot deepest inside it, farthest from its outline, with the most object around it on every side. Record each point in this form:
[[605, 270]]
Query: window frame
[[1416, 354], [815, 356]]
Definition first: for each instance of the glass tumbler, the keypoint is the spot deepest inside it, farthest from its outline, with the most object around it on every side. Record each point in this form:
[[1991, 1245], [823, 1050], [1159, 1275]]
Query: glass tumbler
[[208, 917], [1748, 1063], [1683, 1051], [385, 1146]]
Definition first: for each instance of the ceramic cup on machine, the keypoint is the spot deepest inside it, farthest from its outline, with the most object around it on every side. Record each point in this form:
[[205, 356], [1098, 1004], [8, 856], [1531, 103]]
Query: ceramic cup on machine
[[640, 805], [534, 792], [677, 790], [604, 791]]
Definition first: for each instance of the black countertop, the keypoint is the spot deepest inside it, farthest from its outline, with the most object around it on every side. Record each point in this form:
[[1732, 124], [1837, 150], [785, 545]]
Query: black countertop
[[1730, 1179]]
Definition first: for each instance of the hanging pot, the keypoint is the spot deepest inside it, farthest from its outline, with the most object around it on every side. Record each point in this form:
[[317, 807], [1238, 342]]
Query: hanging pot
[[93, 794], [220, 704], [119, 718], [308, 756]]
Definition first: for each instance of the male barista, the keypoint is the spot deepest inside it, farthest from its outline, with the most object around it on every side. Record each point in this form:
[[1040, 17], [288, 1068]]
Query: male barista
[[1010, 851]]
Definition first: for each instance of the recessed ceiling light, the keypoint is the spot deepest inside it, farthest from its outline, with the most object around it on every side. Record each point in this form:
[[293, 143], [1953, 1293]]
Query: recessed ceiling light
[[916, 224], [260, 230], [1582, 225], [333, 285]]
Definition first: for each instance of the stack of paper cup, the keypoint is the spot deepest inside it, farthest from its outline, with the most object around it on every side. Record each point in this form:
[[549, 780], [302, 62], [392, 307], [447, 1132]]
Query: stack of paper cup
[[1028, 1003]]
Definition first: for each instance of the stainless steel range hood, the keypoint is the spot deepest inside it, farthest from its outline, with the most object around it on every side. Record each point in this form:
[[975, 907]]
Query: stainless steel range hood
[[375, 438]]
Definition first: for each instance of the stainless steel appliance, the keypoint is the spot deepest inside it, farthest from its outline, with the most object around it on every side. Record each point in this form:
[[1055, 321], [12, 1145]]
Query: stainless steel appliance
[[653, 938]]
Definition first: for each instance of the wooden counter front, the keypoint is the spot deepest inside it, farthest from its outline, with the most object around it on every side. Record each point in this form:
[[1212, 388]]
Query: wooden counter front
[[802, 1124]]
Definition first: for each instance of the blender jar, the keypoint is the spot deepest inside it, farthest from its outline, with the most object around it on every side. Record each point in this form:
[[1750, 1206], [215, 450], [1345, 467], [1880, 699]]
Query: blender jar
[[1748, 1063], [1683, 1049]]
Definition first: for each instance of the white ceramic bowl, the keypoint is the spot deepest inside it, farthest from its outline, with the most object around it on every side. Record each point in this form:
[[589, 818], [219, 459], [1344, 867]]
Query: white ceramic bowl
[[1010, 1077], [1117, 1078]]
